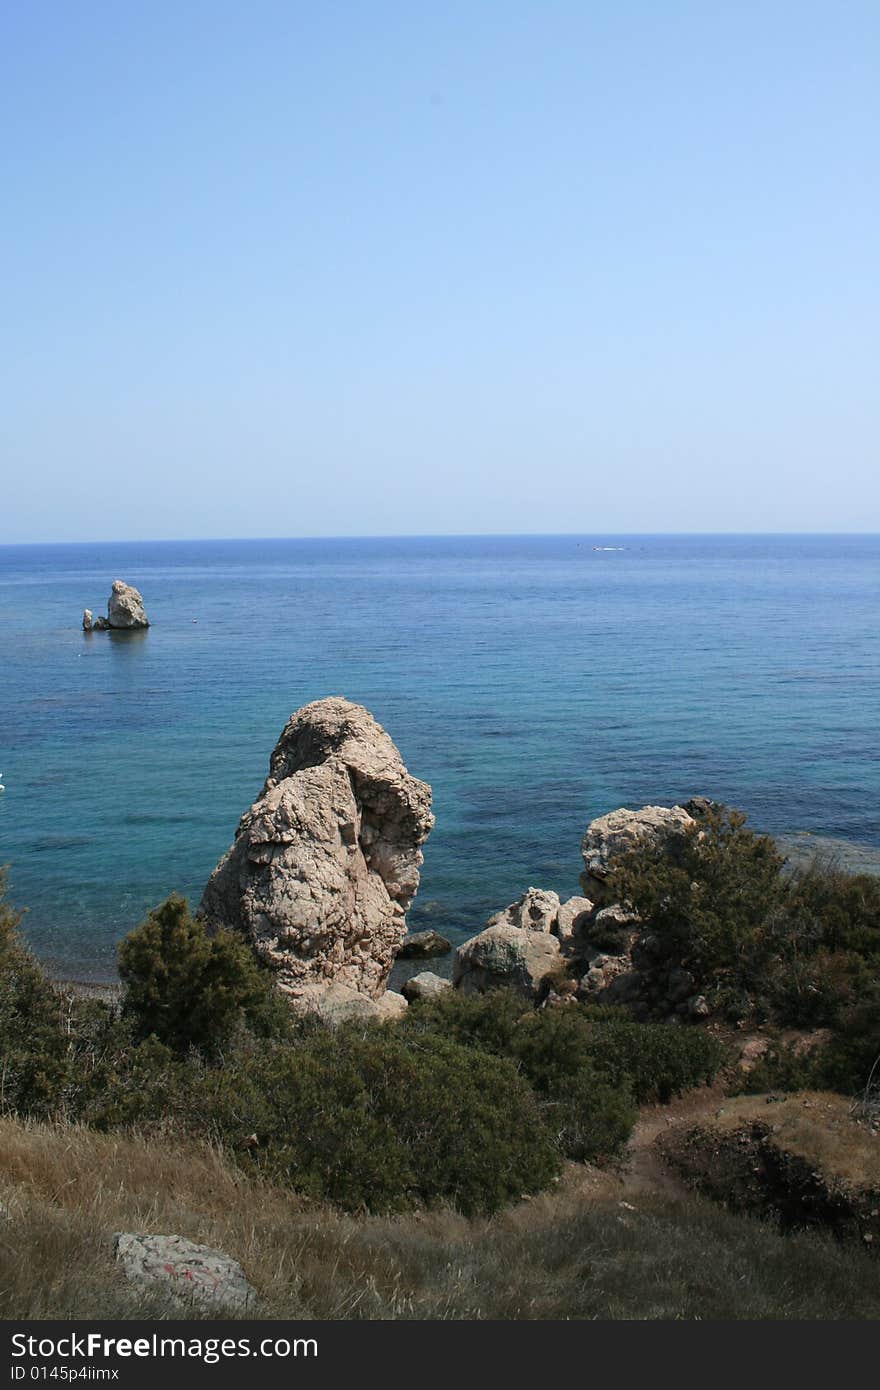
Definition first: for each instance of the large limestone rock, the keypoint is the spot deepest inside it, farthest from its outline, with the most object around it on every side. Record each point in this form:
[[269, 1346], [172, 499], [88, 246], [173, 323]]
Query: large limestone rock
[[192, 1273], [326, 861], [506, 957], [125, 608], [608, 837]]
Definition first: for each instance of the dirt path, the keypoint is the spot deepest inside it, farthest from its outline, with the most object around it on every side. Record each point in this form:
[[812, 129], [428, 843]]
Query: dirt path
[[642, 1171]]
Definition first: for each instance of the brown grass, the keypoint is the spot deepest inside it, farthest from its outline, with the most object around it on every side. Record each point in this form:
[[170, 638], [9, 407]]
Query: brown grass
[[563, 1255], [822, 1128]]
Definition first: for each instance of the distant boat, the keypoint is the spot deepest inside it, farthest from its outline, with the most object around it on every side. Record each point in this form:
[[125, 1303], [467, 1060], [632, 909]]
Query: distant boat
[[2, 788]]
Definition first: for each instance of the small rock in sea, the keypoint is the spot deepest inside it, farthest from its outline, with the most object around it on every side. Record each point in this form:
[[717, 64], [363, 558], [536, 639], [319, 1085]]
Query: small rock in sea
[[420, 944], [125, 610], [125, 607], [193, 1273]]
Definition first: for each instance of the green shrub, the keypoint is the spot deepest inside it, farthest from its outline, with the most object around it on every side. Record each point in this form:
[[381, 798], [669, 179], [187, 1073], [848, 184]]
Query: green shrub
[[189, 989], [659, 1060], [799, 949], [710, 896], [33, 1043], [356, 1116], [551, 1046]]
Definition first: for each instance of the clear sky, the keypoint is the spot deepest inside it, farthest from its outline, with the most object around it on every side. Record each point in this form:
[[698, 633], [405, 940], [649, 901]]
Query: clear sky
[[378, 268]]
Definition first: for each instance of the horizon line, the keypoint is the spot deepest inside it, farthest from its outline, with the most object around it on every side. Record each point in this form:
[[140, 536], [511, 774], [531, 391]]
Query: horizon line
[[434, 536]]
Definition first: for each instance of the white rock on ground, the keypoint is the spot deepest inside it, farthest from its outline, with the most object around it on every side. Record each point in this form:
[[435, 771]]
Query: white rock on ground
[[193, 1273]]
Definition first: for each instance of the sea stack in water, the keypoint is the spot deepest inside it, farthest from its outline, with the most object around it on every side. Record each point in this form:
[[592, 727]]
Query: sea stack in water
[[326, 861], [125, 610]]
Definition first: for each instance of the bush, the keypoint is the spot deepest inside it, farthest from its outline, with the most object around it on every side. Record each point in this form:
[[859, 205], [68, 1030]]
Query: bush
[[189, 989], [799, 949], [33, 1044], [711, 897], [355, 1116], [588, 1065], [659, 1060]]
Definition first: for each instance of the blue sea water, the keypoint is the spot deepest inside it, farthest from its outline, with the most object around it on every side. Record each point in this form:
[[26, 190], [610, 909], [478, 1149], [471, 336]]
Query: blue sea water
[[535, 682]]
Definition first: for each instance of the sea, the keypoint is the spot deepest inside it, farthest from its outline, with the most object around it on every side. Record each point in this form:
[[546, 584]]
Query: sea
[[535, 681]]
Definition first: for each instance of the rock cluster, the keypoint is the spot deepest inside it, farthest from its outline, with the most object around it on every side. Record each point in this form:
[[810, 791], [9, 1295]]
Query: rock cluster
[[326, 862], [588, 948], [125, 610], [522, 947]]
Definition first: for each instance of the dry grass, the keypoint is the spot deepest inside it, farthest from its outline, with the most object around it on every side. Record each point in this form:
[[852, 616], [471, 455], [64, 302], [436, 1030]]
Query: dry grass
[[67, 1190], [818, 1126]]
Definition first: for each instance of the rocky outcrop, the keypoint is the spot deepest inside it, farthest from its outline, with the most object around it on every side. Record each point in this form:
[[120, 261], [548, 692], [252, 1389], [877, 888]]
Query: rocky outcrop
[[190, 1273], [427, 985], [421, 944], [572, 919], [343, 1004], [326, 861], [609, 837], [589, 948], [125, 610]]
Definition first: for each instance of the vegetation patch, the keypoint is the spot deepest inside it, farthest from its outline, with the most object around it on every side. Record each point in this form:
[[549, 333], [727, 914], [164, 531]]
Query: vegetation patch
[[803, 1160]]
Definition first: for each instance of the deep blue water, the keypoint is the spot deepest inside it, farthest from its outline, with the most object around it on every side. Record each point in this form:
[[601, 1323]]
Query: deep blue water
[[534, 682]]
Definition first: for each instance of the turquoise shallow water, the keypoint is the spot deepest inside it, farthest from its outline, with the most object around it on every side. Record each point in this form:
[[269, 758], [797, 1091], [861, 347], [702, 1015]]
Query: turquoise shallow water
[[534, 682]]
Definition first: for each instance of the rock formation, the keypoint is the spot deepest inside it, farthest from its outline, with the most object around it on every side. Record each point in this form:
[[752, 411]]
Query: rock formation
[[125, 610], [326, 861], [506, 957], [591, 948], [125, 607]]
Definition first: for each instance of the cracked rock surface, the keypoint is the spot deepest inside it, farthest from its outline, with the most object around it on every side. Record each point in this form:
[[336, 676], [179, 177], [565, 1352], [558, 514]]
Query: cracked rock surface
[[326, 861]]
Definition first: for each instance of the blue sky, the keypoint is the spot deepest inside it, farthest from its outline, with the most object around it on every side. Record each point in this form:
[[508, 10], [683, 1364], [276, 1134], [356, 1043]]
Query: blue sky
[[386, 268]]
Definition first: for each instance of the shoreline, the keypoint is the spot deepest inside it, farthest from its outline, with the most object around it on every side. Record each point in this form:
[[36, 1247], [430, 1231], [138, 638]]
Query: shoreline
[[799, 846]]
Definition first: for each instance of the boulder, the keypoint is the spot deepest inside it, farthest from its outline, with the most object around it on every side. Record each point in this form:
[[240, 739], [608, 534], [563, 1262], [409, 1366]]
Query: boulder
[[609, 837], [125, 607], [192, 1273], [572, 919], [421, 944], [341, 1003], [505, 956], [87, 620], [536, 910], [426, 985], [326, 861], [101, 624]]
